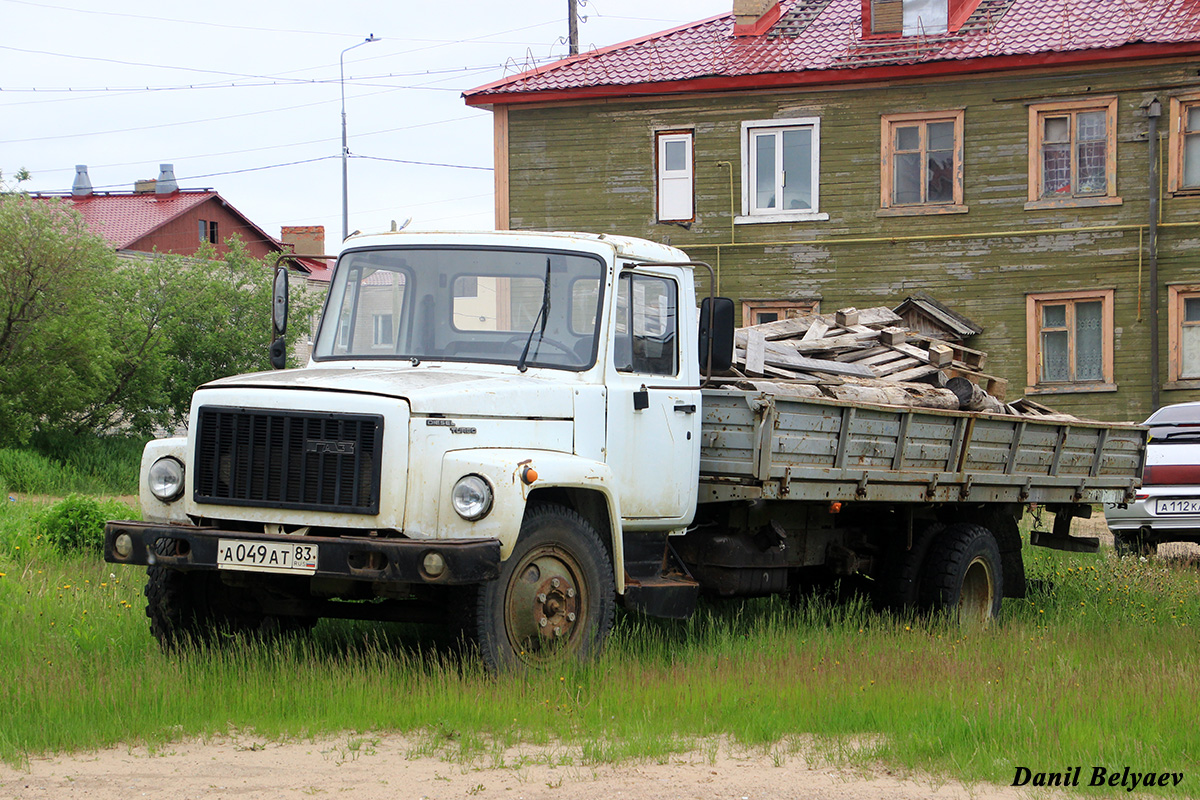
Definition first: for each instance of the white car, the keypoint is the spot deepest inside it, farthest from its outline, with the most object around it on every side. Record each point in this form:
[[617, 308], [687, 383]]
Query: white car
[[1167, 507]]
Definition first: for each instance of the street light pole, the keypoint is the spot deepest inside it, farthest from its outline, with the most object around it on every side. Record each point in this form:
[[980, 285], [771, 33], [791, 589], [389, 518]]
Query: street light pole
[[346, 147]]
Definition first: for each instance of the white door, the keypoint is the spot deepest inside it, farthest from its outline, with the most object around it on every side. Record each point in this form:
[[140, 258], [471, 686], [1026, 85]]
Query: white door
[[653, 404]]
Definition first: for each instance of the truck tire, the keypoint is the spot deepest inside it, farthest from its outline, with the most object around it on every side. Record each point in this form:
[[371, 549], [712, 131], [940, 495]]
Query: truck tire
[[554, 600], [898, 588], [963, 575], [191, 608]]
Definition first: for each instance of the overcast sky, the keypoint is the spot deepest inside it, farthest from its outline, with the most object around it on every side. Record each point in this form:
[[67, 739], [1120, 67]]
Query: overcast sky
[[226, 91]]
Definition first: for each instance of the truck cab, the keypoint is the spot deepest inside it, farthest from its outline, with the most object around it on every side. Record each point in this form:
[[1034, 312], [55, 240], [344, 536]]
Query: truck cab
[[487, 424]]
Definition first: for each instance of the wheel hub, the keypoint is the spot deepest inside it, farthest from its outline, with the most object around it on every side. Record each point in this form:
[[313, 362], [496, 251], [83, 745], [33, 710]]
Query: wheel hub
[[554, 606], [543, 609]]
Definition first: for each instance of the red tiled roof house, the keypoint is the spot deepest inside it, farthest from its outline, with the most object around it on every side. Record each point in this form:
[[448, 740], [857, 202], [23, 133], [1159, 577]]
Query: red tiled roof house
[[1034, 165], [159, 216]]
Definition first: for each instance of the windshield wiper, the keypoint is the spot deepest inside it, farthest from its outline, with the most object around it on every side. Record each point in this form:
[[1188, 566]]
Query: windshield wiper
[[542, 315]]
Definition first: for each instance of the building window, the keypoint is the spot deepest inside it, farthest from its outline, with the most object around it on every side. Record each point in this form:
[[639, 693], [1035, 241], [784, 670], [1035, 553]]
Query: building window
[[757, 312], [909, 17], [383, 330], [208, 231], [922, 163], [1073, 153], [1183, 324], [1070, 341], [676, 176], [1183, 170], [780, 170]]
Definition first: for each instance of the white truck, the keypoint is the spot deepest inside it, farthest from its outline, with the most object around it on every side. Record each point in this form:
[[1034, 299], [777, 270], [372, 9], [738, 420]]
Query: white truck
[[511, 432]]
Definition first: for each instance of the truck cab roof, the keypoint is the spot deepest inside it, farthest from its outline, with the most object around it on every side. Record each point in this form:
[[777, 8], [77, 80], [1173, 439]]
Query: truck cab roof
[[625, 247]]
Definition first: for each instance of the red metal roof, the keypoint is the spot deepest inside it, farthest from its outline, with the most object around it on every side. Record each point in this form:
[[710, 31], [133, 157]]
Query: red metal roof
[[123, 219], [817, 36]]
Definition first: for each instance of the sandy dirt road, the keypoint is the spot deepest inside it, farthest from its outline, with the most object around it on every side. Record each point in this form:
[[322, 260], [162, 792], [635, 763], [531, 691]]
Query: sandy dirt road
[[375, 767]]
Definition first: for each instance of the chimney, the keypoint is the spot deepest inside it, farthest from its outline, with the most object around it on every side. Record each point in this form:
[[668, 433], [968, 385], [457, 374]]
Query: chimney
[[754, 17], [166, 180], [83, 184], [144, 186], [306, 240]]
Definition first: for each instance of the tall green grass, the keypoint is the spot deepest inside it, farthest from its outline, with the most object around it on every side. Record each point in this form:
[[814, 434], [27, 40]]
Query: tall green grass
[[1095, 667], [56, 464]]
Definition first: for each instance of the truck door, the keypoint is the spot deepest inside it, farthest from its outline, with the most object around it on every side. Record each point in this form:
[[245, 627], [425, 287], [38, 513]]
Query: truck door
[[653, 403]]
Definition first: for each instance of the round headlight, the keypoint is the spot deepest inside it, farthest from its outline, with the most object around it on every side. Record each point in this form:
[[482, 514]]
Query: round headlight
[[166, 479], [472, 497]]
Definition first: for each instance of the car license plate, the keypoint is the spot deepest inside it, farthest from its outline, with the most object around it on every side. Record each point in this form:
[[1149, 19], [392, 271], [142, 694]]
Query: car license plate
[[251, 556], [1178, 505]]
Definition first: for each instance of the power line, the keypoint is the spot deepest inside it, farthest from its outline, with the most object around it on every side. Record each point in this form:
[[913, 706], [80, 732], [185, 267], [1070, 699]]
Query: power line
[[182, 21], [452, 71], [420, 163], [186, 122], [232, 171], [330, 139]]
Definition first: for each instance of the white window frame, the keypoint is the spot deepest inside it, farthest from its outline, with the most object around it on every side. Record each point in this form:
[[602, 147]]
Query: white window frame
[[377, 324], [752, 215], [685, 178]]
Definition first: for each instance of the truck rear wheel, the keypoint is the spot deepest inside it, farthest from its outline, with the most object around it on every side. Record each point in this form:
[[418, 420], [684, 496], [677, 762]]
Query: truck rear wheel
[[898, 587], [963, 575], [554, 600]]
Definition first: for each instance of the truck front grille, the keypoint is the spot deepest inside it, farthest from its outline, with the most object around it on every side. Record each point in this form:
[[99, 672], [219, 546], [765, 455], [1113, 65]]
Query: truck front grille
[[288, 459]]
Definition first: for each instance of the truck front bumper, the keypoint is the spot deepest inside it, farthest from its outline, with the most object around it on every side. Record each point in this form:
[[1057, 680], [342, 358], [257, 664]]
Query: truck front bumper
[[362, 558]]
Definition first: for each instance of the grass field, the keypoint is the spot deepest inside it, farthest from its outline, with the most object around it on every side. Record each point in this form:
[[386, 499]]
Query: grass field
[[1095, 667], [58, 464]]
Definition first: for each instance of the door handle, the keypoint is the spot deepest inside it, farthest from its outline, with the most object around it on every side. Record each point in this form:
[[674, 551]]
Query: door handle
[[690, 408]]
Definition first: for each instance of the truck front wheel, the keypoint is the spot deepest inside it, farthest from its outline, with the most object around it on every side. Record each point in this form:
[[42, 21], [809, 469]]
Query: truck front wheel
[[963, 575], [554, 600], [192, 607]]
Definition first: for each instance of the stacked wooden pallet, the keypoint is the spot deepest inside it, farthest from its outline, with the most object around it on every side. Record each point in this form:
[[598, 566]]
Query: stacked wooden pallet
[[869, 356]]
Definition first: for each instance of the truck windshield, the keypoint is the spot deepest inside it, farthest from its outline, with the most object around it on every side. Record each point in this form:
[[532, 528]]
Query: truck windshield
[[464, 304]]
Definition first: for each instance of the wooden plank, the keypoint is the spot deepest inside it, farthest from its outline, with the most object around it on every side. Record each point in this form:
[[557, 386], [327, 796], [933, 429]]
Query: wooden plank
[[859, 355], [779, 372], [972, 359], [883, 358], [892, 367], [817, 330], [797, 326], [756, 351], [913, 374], [797, 361], [831, 342]]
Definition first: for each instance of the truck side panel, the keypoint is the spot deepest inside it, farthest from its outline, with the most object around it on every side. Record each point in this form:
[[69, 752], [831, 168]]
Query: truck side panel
[[761, 445]]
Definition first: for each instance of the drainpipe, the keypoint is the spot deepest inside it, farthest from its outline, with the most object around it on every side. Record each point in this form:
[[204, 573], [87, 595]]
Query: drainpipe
[[1153, 112]]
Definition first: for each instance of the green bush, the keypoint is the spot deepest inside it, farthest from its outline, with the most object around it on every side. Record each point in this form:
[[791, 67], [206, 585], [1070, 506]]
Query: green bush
[[75, 524]]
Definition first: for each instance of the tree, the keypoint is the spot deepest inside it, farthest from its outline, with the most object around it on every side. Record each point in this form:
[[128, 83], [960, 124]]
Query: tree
[[50, 270], [90, 342], [176, 322]]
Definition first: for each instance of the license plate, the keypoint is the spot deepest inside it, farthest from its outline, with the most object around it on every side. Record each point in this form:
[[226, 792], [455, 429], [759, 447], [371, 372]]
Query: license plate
[[1187, 505], [251, 556]]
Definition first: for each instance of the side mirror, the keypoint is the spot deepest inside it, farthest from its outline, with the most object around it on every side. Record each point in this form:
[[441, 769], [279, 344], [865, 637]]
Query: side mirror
[[279, 302], [279, 315], [716, 334]]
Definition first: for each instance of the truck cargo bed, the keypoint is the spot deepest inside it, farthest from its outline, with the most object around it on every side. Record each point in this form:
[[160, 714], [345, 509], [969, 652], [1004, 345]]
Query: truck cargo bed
[[770, 446]]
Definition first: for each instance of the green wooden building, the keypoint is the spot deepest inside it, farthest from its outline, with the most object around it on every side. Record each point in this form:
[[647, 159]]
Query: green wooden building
[[1031, 165]]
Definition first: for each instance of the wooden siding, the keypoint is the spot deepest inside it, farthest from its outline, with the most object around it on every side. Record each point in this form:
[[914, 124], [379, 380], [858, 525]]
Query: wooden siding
[[590, 167]]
